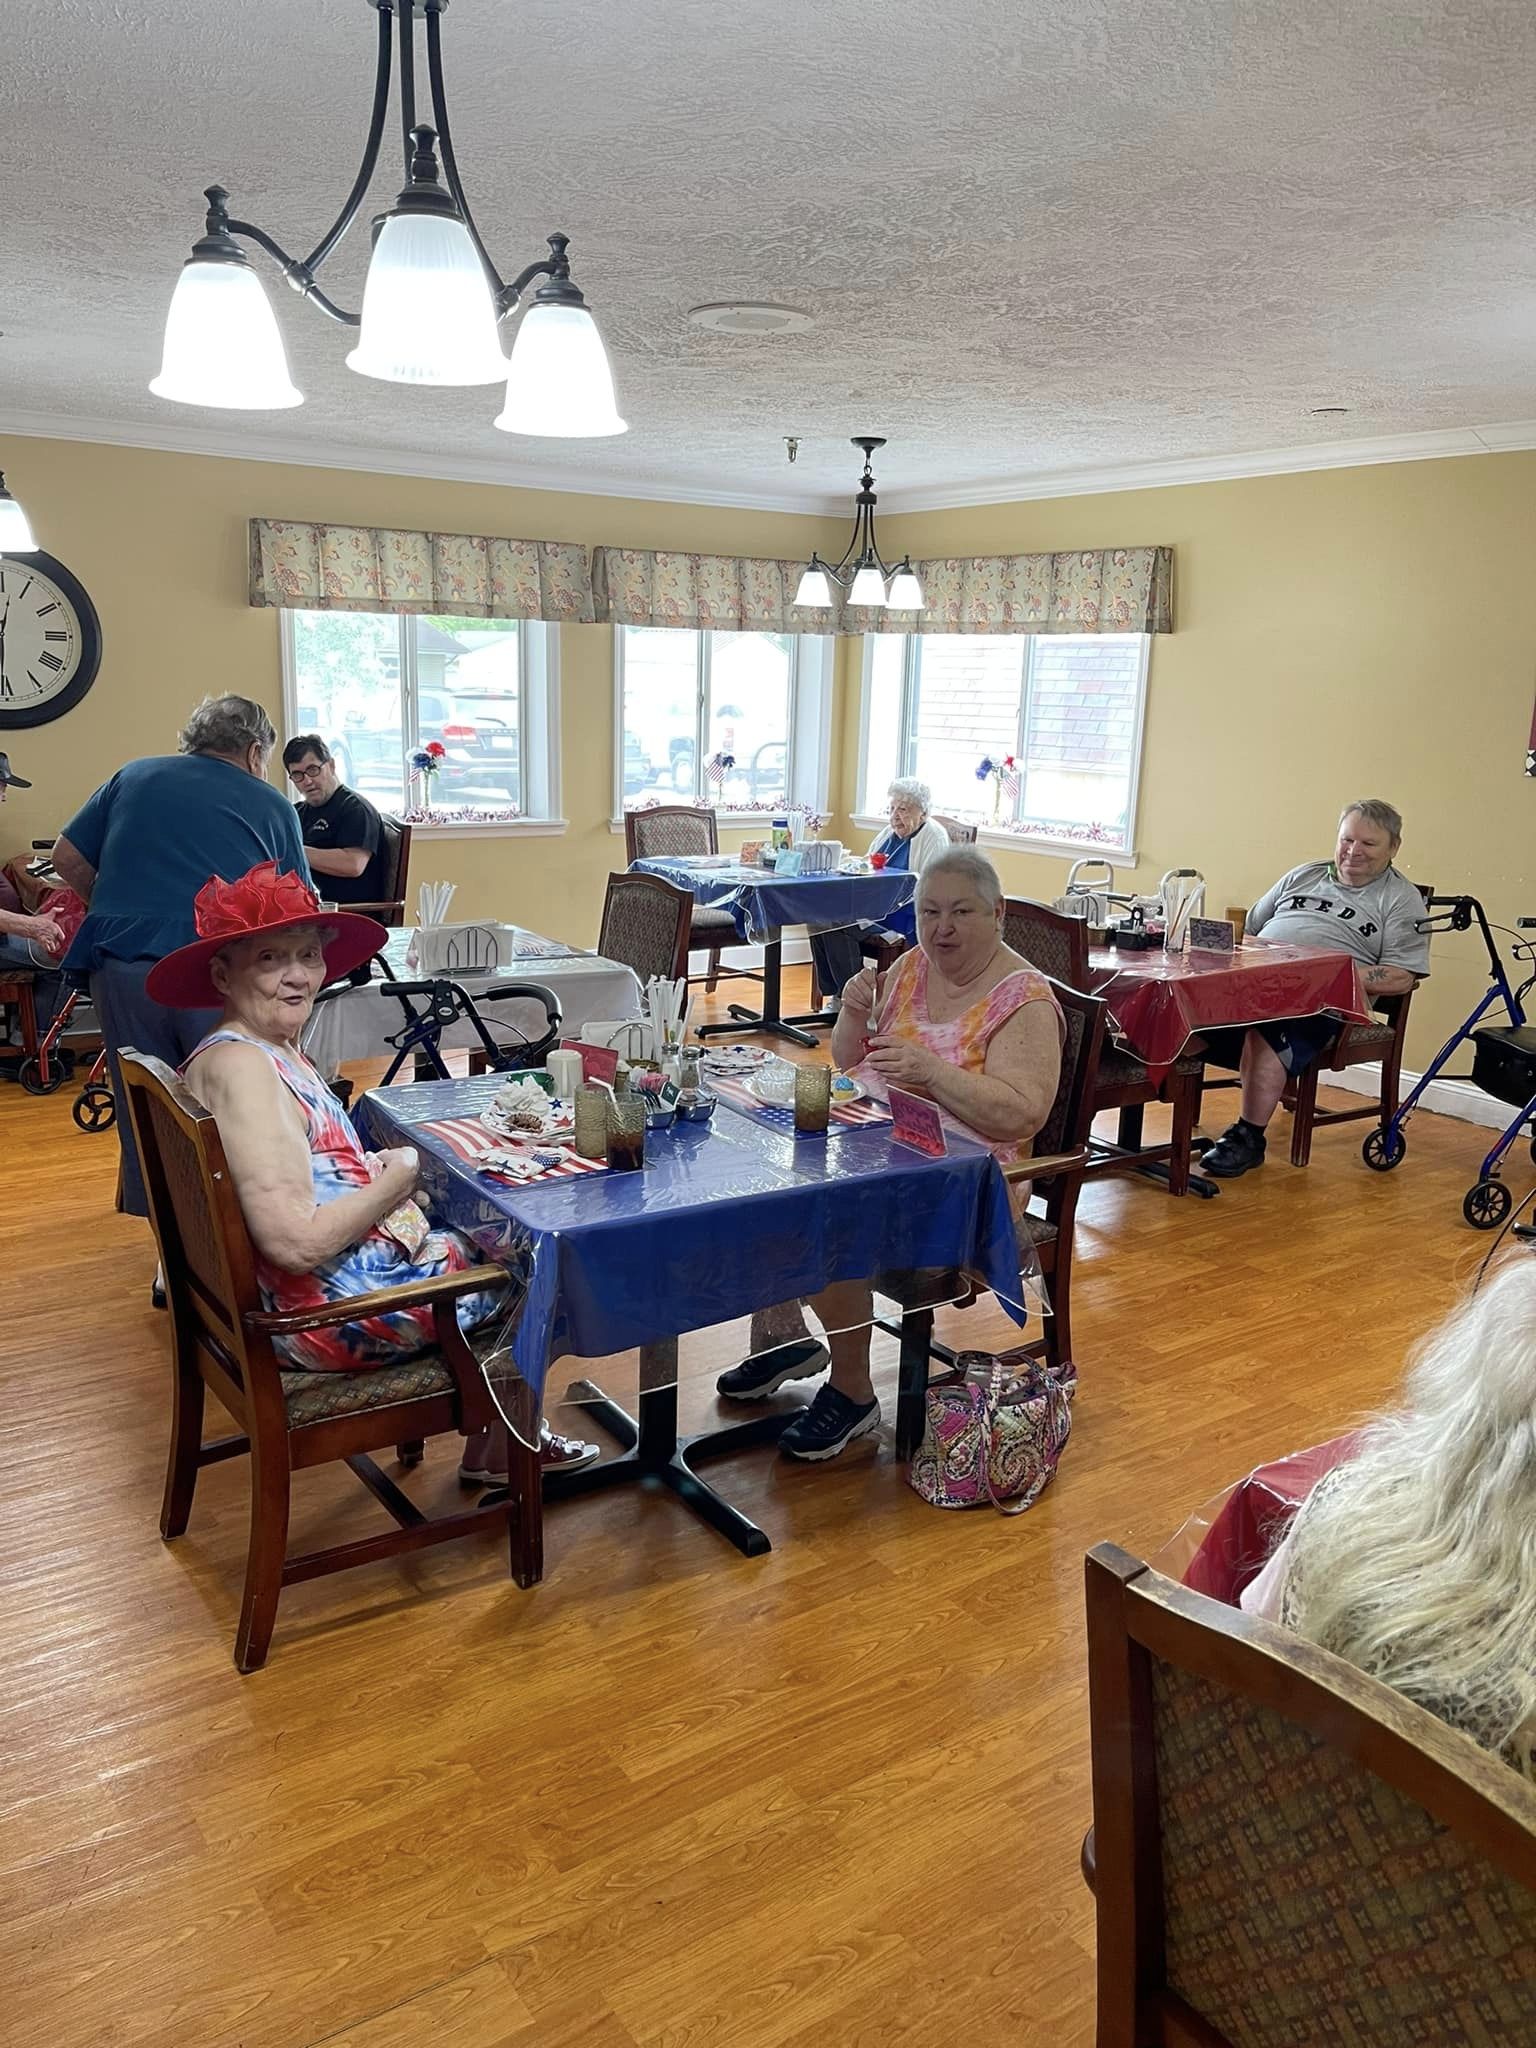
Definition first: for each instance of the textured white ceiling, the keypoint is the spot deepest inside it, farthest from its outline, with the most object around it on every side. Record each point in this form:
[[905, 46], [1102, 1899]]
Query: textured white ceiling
[[1035, 234]]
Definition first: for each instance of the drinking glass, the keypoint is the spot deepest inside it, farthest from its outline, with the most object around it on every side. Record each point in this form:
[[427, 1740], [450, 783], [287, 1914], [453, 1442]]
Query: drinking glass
[[591, 1112], [813, 1099], [626, 1135]]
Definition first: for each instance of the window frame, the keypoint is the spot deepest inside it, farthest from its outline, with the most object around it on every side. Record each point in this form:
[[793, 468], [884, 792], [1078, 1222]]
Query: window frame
[[808, 741], [1003, 834], [539, 763]]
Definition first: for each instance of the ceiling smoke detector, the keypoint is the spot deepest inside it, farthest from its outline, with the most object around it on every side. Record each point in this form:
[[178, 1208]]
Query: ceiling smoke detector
[[741, 318], [1329, 412]]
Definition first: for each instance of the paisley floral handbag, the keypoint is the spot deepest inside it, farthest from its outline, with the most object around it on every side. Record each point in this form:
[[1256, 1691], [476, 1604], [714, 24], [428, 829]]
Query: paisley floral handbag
[[999, 1441]]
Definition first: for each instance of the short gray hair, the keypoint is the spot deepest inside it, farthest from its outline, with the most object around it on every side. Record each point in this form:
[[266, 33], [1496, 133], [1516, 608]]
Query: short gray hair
[[971, 865], [228, 725], [1376, 811], [913, 789]]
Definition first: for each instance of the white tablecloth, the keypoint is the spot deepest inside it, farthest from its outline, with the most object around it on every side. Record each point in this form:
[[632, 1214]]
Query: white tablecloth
[[356, 1024]]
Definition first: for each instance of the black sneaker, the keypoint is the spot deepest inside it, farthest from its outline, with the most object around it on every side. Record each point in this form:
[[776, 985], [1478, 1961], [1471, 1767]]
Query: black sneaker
[[1238, 1150], [829, 1425], [764, 1373]]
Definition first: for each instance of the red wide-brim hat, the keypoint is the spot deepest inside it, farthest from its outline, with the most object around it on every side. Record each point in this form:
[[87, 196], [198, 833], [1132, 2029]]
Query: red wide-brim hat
[[260, 902]]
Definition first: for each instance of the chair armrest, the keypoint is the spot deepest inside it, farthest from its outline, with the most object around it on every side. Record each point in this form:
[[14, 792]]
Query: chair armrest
[[1046, 1165], [383, 1301], [375, 909]]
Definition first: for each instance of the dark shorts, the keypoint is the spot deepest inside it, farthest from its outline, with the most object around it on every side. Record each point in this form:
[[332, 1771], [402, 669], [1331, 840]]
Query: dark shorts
[[1298, 1042]]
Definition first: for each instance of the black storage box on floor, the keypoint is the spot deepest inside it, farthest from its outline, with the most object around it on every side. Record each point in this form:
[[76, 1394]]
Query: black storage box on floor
[[1504, 1062]]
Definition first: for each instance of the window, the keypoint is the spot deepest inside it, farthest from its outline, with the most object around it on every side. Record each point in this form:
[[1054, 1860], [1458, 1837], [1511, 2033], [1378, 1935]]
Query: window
[[377, 688], [688, 702], [1067, 707]]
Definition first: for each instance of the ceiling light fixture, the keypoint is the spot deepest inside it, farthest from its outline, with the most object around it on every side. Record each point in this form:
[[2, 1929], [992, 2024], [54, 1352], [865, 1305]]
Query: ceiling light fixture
[[432, 300], [15, 529], [862, 571]]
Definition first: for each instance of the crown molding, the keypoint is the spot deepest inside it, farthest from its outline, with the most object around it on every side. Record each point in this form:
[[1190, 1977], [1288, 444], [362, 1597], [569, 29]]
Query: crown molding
[[311, 454], [1432, 446], [1506, 437]]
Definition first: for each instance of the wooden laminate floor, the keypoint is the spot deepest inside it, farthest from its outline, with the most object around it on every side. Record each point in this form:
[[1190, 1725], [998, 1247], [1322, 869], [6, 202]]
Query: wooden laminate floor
[[671, 1797]]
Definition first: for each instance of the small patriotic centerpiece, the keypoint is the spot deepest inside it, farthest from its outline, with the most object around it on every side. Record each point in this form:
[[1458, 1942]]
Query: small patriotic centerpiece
[[1004, 778]]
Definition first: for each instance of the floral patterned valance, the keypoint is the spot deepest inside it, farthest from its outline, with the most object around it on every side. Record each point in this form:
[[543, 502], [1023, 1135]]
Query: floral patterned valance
[[723, 593], [1094, 590], [373, 569], [1090, 590]]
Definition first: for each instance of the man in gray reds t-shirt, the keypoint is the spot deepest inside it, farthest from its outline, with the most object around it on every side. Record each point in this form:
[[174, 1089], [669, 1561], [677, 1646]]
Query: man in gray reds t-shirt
[[1357, 902]]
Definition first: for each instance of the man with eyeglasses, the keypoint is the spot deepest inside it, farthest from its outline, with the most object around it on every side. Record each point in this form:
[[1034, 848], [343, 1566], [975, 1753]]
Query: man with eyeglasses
[[342, 832]]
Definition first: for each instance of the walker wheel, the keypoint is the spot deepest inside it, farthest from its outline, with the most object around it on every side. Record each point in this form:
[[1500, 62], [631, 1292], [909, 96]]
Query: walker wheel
[[30, 1075], [1486, 1205], [93, 1108], [1383, 1150]]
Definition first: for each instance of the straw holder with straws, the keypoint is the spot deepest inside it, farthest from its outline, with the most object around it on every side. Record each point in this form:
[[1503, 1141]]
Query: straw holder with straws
[[667, 1011]]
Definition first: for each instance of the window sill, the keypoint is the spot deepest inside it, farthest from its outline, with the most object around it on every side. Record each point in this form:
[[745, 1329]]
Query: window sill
[[1024, 842], [490, 828]]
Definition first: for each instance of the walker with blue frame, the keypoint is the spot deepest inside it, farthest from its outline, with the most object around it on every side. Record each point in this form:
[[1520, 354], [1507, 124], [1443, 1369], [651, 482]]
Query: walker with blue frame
[[1503, 1062]]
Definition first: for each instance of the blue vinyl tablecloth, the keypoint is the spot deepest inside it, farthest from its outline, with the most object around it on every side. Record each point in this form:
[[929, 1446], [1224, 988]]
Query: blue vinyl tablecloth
[[727, 1217], [762, 902]]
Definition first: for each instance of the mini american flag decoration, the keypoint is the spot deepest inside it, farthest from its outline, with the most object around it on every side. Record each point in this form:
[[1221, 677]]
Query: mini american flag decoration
[[715, 768], [1008, 776]]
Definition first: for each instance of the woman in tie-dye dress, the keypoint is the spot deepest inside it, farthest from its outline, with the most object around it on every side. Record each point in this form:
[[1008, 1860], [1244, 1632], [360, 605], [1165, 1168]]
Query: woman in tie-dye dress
[[328, 1219], [966, 1022]]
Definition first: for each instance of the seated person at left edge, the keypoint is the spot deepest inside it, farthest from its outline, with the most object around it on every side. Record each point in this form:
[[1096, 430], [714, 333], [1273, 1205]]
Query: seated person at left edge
[[342, 832]]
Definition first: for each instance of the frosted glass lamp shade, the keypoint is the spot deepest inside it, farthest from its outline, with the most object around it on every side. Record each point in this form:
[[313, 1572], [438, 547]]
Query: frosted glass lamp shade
[[868, 587], [223, 346], [558, 382], [15, 531], [906, 592], [814, 588], [428, 314]]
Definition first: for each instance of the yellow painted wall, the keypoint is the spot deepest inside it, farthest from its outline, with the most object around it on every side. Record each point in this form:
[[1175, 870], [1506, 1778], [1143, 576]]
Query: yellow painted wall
[[1342, 633], [160, 542]]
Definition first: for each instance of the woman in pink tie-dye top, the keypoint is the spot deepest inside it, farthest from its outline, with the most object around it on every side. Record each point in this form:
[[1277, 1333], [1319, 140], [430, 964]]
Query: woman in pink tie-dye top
[[966, 1022]]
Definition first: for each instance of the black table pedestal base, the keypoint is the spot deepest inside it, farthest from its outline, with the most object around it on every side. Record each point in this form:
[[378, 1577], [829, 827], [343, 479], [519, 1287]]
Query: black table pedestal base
[[770, 1020], [652, 1455]]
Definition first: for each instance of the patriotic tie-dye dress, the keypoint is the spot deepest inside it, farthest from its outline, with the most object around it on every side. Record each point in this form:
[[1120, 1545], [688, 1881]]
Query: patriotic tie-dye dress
[[339, 1163]]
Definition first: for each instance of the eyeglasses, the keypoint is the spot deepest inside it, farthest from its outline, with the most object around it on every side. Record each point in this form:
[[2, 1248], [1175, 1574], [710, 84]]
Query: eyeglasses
[[307, 774]]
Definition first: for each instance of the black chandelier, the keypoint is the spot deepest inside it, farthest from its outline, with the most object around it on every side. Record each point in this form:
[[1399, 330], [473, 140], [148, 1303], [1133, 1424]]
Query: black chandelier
[[862, 570], [433, 298]]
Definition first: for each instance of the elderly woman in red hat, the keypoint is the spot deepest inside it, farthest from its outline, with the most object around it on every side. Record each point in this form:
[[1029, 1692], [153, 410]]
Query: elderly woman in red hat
[[327, 1218]]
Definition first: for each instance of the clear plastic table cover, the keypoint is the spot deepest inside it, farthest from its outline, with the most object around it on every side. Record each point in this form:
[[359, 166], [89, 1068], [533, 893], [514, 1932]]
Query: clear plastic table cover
[[728, 1216], [763, 903]]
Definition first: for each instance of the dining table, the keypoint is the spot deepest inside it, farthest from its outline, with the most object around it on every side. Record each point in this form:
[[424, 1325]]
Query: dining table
[[726, 1216], [1161, 1003], [763, 902], [358, 1023]]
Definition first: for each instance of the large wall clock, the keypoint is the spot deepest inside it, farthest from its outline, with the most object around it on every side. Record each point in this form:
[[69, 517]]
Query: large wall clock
[[50, 640]]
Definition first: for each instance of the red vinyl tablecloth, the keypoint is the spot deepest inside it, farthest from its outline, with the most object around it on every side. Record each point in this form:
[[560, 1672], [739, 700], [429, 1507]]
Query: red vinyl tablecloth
[[1159, 1001], [1228, 1542]]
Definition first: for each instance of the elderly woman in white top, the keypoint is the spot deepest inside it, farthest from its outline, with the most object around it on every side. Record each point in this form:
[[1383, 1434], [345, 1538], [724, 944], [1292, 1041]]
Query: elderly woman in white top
[[908, 843]]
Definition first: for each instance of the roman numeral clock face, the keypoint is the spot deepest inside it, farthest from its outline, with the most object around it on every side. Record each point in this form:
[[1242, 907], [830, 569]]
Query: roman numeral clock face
[[50, 640]]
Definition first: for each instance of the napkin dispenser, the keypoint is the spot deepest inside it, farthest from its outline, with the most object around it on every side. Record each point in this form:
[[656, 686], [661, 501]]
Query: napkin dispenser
[[462, 948]]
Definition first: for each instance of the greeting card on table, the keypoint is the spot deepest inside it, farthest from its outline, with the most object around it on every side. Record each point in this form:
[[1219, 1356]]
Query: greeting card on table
[[1211, 935], [599, 1063], [917, 1123]]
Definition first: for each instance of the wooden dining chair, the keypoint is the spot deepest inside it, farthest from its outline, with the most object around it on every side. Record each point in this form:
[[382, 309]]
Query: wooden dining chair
[[221, 1337], [395, 840], [1285, 1851], [1058, 946], [646, 923], [1055, 1174], [675, 832]]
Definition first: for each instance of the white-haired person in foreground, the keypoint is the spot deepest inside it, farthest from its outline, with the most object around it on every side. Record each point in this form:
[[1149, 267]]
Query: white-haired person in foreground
[[909, 842], [1416, 1560]]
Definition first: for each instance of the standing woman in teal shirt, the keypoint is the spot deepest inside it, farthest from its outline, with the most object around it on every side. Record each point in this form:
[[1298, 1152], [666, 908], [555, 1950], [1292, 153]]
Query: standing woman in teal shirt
[[139, 850]]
